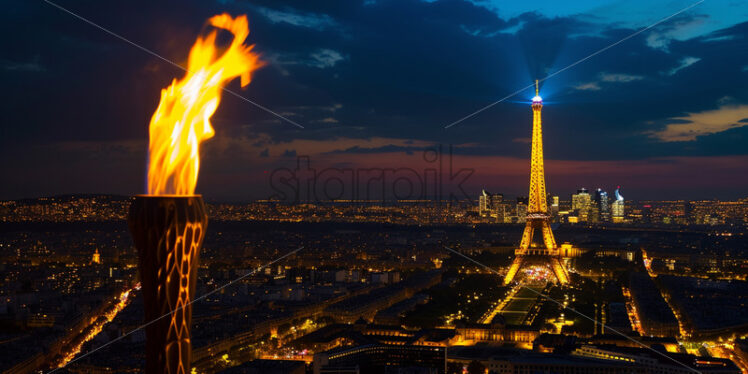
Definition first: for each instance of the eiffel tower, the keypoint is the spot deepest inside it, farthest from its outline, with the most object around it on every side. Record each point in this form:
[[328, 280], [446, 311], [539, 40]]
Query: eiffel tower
[[529, 252]]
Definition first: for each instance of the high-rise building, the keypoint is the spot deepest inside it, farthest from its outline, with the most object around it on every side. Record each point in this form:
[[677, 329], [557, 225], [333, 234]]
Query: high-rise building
[[521, 209], [554, 208], [617, 208], [593, 215], [491, 205], [603, 205], [580, 204], [484, 203]]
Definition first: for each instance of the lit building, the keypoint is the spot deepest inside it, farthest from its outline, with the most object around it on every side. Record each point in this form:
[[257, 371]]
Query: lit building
[[503, 360], [484, 203], [593, 215], [603, 205], [554, 207], [659, 362], [521, 209], [96, 258], [618, 207], [580, 203], [472, 333], [491, 205]]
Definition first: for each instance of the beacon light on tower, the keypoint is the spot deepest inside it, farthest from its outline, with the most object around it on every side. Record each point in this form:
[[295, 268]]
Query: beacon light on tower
[[168, 224], [537, 98]]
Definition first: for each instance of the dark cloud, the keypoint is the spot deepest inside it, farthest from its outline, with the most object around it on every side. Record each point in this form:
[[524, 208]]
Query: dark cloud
[[393, 69]]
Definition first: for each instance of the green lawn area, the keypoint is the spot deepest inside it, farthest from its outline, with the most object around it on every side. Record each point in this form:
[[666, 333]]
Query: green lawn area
[[521, 302]]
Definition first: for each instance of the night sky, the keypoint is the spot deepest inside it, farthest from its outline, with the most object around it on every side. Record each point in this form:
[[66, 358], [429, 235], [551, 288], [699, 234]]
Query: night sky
[[374, 83]]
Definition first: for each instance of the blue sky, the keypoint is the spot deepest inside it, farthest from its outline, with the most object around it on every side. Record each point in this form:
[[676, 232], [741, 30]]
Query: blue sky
[[375, 80]]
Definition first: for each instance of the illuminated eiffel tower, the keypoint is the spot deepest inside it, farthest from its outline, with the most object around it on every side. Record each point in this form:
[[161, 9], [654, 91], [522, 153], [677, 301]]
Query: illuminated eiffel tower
[[529, 252]]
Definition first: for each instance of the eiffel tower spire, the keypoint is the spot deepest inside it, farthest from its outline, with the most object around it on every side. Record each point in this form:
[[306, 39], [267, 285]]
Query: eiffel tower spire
[[537, 208]]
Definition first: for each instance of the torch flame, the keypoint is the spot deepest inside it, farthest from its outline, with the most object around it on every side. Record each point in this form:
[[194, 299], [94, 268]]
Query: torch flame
[[182, 120]]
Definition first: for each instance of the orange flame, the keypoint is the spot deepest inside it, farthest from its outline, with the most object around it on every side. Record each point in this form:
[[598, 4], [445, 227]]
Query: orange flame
[[182, 120]]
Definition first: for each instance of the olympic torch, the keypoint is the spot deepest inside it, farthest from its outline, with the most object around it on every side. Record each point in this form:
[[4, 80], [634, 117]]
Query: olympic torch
[[168, 224]]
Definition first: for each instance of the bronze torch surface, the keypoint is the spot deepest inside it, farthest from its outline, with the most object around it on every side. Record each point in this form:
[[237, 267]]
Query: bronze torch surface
[[168, 232]]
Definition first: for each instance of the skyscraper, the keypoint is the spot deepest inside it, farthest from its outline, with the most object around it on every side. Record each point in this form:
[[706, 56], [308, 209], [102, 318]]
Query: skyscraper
[[603, 205], [554, 208], [594, 214], [491, 205], [580, 204], [618, 207], [484, 203], [521, 209]]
